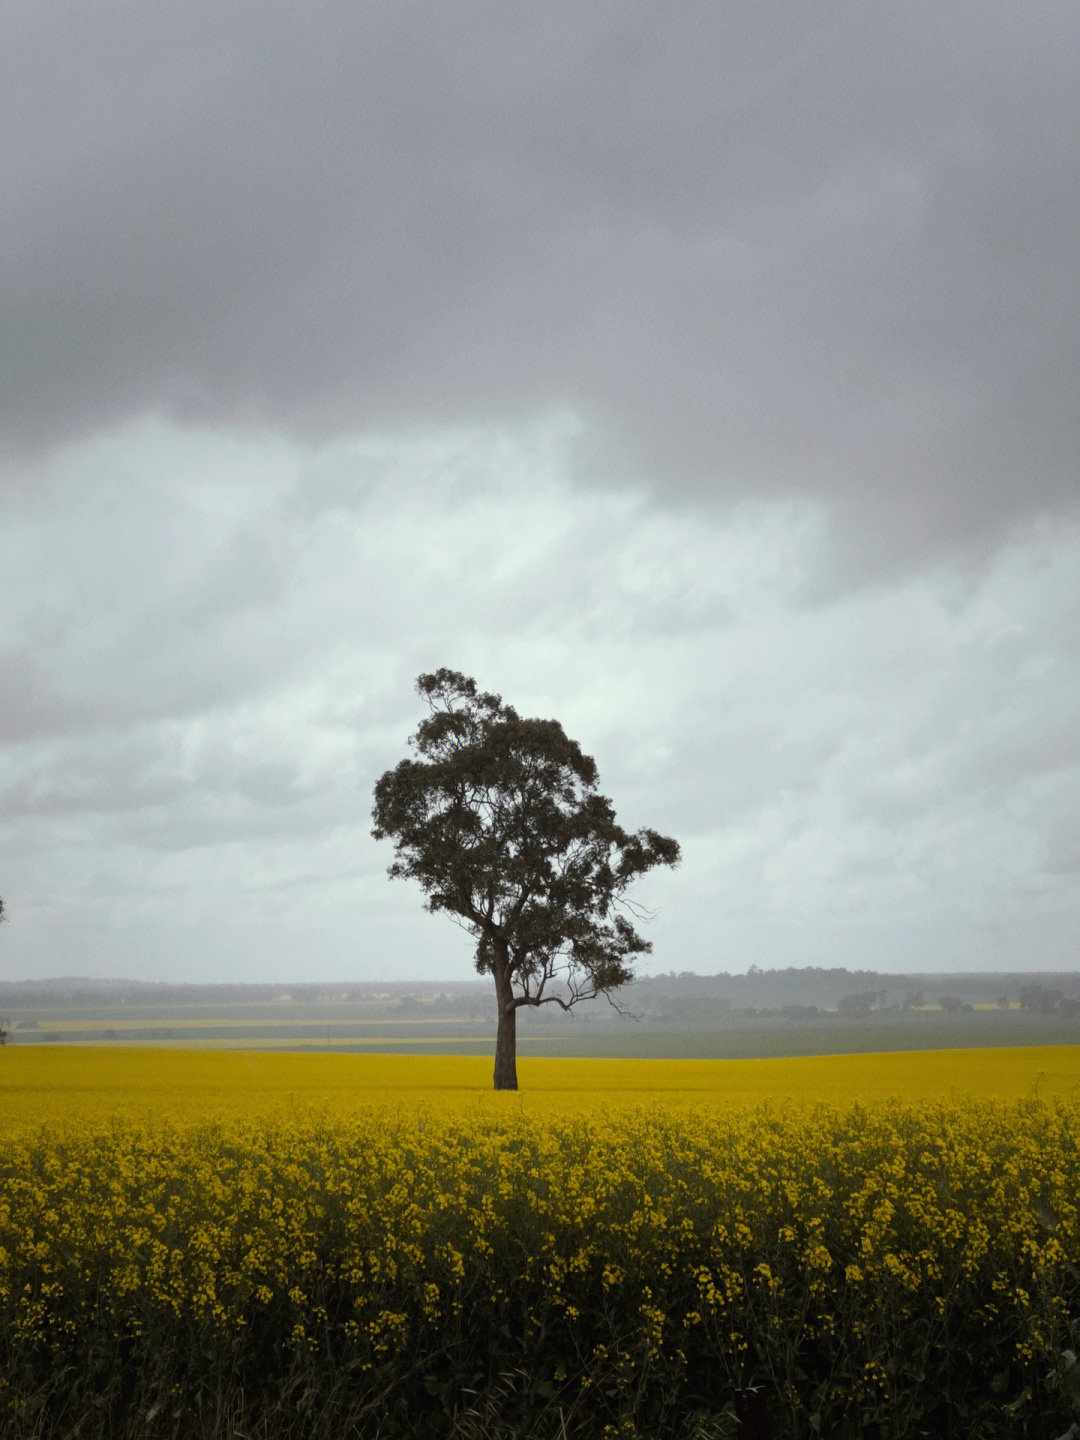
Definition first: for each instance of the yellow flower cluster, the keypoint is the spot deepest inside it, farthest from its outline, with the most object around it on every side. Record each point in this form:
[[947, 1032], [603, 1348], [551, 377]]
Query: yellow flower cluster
[[851, 1257]]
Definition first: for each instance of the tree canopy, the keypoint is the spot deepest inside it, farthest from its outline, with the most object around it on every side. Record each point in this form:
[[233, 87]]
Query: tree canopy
[[499, 820]]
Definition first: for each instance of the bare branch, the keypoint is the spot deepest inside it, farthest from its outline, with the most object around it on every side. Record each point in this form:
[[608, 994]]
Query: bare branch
[[635, 907], [629, 1014]]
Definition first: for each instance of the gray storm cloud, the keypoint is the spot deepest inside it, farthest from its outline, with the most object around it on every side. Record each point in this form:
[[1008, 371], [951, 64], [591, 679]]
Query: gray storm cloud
[[703, 376], [826, 250]]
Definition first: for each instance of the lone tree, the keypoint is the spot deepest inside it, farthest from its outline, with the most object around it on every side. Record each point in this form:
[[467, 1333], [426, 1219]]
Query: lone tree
[[500, 822]]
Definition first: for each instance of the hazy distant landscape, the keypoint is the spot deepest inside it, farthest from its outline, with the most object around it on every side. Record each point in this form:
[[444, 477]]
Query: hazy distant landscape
[[767, 1013]]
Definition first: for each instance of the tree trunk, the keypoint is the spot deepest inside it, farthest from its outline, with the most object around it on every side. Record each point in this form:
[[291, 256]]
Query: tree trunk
[[506, 1050], [506, 1036]]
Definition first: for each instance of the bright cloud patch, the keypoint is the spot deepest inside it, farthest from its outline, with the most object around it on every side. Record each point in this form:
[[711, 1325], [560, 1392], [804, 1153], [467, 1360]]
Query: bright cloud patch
[[211, 645]]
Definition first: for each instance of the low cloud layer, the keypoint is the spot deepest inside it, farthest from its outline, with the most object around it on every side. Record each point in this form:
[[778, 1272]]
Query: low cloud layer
[[211, 661], [701, 377]]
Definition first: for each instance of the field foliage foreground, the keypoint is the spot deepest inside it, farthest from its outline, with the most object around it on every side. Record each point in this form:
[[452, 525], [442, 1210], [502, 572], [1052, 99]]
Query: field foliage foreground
[[885, 1267]]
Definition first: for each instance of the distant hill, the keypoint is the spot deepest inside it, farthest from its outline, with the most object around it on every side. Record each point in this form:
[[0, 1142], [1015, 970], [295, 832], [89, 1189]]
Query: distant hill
[[656, 995], [760, 1013]]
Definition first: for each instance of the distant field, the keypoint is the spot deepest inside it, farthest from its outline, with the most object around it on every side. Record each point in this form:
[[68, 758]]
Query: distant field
[[47, 1084], [597, 1031]]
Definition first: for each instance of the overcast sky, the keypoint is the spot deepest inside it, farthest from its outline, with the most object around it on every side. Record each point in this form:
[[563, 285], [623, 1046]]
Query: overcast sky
[[702, 376]]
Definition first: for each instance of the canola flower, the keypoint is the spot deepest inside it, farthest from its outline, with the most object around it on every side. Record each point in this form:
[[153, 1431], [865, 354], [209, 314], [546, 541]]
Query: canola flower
[[44, 1084], [633, 1265]]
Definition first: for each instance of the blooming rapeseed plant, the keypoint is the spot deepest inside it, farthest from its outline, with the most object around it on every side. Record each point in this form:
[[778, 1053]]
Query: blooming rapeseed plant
[[638, 1262]]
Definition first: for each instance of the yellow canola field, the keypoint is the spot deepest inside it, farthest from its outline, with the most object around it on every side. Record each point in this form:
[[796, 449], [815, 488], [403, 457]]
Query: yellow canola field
[[878, 1262], [49, 1083], [886, 1240]]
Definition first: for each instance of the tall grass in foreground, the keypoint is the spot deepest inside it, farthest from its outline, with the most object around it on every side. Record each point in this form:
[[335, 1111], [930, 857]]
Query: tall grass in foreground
[[886, 1270]]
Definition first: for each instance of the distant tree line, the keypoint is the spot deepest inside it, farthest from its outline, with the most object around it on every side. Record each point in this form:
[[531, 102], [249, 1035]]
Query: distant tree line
[[665, 999], [1048, 1000]]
